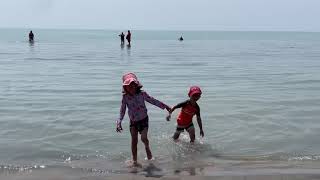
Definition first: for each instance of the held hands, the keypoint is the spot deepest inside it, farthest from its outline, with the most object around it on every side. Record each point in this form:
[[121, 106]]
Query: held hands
[[169, 109], [119, 127], [201, 133], [168, 117]]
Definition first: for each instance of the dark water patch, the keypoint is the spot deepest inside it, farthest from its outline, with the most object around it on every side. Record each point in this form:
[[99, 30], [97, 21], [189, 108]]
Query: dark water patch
[[306, 102], [187, 64], [50, 59], [302, 82], [9, 53], [64, 91]]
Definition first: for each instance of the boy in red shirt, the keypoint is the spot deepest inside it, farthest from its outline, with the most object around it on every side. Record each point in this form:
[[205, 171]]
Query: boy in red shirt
[[189, 108]]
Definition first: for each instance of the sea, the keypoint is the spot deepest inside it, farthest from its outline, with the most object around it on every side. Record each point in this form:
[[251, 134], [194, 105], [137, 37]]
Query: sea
[[60, 98]]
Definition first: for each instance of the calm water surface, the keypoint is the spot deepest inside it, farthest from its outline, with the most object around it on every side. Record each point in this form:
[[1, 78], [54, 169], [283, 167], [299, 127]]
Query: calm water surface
[[60, 97]]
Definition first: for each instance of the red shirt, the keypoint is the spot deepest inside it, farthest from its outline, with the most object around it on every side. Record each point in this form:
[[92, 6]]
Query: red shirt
[[187, 112]]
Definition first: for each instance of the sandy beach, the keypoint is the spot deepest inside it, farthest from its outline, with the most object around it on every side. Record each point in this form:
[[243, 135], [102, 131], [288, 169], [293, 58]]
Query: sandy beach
[[127, 177], [58, 173]]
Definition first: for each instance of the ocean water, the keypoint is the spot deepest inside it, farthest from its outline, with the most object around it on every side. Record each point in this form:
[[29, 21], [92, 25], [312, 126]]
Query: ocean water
[[60, 97]]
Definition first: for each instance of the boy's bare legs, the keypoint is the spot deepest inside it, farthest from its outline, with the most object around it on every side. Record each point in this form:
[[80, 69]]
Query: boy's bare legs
[[144, 139], [134, 143], [176, 135], [192, 134]]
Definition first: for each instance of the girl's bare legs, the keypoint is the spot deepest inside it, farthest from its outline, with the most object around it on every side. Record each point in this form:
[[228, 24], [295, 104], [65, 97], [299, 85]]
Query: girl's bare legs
[[134, 143], [144, 139], [192, 134]]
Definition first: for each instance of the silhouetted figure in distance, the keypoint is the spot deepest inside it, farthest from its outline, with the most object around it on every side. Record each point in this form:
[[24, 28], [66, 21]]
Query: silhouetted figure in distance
[[122, 37], [128, 37], [31, 36]]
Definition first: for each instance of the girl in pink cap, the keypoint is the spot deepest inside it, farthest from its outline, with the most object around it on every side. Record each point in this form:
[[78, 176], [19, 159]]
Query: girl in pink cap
[[134, 98], [189, 108]]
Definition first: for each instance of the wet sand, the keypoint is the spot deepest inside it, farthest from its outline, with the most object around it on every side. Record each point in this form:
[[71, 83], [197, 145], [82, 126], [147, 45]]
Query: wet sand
[[205, 174], [134, 177]]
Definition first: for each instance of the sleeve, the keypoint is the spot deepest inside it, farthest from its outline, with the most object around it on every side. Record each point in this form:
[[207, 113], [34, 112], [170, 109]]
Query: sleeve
[[153, 101], [122, 109]]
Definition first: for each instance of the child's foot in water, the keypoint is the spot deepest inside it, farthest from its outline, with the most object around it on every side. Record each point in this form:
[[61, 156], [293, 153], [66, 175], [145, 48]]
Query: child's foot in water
[[175, 140], [136, 164], [132, 164], [147, 159]]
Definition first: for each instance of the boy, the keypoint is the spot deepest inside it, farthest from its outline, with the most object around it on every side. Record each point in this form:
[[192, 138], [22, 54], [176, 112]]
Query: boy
[[189, 109]]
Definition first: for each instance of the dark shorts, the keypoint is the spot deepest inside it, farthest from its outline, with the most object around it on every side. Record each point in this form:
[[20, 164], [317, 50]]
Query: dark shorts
[[181, 129], [140, 125]]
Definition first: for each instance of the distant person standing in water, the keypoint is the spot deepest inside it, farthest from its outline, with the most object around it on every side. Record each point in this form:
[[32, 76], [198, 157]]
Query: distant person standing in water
[[122, 37], [31, 36], [128, 37]]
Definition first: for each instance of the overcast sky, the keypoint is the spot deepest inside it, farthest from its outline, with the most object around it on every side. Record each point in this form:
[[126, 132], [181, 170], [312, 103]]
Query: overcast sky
[[283, 15]]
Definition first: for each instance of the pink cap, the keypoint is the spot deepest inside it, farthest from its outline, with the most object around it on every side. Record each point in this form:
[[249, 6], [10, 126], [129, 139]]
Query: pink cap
[[129, 78], [194, 90]]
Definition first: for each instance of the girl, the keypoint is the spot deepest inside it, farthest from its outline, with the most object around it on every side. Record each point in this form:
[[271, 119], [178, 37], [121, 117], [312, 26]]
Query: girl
[[189, 109], [134, 98]]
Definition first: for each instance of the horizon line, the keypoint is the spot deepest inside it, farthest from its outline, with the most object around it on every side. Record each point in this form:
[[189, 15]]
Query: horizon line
[[172, 30]]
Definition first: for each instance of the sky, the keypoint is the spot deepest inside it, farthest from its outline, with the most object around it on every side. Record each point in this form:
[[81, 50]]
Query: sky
[[229, 15]]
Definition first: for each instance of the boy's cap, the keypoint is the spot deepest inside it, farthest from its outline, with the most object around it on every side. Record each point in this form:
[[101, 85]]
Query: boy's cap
[[194, 90], [129, 78]]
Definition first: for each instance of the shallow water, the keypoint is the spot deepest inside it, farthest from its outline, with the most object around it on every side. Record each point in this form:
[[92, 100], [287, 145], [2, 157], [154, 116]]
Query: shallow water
[[60, 97]]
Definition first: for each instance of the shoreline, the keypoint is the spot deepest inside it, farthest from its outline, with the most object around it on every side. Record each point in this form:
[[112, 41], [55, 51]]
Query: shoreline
[[206, 173], [136, 177]]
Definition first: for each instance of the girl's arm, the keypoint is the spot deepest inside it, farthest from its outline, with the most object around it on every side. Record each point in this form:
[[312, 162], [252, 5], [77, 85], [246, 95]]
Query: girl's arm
[[175, 107], [200, 125], [122, 113], [199, 121], [122, 110], [180, 105], [155, 102]]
